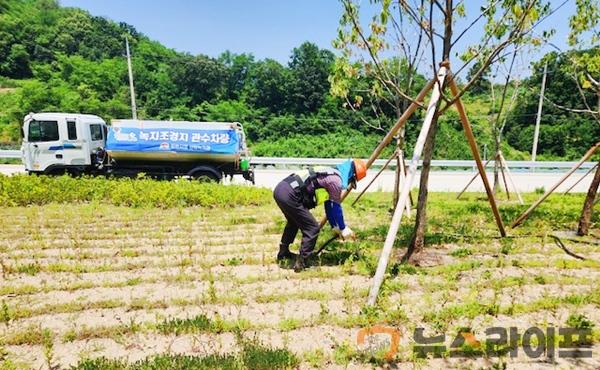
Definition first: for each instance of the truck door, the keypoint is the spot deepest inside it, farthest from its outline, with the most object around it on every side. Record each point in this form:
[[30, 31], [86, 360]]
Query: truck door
[[45, 148], [96, 136], [73, 152]]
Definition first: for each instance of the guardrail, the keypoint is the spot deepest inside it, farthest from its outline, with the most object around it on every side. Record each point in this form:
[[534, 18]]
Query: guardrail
[[10, 154], [275, 161], [456, 164]]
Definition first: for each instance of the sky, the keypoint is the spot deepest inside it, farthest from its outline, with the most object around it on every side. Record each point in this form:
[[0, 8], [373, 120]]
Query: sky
[[265, 28]]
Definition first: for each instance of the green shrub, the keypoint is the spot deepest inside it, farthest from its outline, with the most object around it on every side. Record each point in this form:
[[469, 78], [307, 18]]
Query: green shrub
[[22, 190], [579, 321], [330, 145]]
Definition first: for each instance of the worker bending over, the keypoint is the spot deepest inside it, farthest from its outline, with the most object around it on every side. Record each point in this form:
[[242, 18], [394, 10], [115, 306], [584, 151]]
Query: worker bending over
[[306, 189]]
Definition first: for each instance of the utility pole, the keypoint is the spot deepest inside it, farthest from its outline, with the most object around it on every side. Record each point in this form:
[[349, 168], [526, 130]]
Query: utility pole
[[131, 91], [536, 132]]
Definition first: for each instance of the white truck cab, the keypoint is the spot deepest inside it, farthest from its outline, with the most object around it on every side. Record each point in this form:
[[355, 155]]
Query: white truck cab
[[61, 142]]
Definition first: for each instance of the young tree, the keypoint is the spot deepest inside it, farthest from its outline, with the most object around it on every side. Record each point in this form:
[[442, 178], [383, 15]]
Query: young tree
[[504, 25], [585, 31], [366, 75], [500, 107]]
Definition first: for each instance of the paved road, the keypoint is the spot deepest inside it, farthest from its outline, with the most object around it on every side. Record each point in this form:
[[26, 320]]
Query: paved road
[[451, 181]]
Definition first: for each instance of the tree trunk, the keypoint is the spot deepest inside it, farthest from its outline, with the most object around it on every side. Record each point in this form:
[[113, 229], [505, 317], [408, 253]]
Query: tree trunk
[[497, 164], [418, 237], [588, 205]]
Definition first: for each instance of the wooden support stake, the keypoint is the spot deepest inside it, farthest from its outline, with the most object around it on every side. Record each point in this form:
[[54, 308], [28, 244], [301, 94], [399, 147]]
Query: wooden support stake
[[397, 217], [585, 157], [387, 163], [581, 178], [471, 139], [512, 182], [403, 180], [499, 159], [393, 131], [473, 179]]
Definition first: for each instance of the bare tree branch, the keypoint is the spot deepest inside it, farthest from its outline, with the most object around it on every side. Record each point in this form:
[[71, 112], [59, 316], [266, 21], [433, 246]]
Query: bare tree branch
[[595, 114], [516, 33], [375, 59], [474, 22], [440, 7], [365, 121]]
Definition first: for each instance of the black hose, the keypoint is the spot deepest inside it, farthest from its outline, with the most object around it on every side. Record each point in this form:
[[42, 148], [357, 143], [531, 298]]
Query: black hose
[[325, 244]]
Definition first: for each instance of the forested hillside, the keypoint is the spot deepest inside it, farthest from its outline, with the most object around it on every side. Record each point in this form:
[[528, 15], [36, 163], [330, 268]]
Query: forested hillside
[[64, 59]]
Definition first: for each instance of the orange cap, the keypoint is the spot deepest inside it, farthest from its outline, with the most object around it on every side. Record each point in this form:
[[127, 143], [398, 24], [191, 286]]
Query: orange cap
[[360, 169]]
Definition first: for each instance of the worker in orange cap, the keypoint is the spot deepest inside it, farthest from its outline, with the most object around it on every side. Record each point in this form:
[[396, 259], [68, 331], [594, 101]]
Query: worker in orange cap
[[304, 190]]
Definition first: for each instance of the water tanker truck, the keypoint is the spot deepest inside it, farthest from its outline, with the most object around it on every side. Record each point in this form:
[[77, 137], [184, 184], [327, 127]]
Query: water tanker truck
[[57, 143]]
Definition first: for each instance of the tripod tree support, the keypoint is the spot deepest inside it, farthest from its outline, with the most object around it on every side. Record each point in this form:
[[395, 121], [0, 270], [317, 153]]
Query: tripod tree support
[[402, 199], [585, 157], [580, 179], [393, 131], [471, 139], [499, 159], [398, 156], [402, 164], [510, 179], [471, 181], [387, 163]]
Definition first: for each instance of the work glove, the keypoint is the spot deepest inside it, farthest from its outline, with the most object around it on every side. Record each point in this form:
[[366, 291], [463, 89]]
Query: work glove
[[348, 234]]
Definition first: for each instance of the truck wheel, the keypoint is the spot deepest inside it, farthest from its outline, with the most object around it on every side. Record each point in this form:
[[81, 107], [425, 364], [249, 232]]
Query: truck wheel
[[205, 176]]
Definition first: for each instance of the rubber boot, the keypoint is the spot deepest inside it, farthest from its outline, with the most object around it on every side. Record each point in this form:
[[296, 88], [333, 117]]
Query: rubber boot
[[284, 253]]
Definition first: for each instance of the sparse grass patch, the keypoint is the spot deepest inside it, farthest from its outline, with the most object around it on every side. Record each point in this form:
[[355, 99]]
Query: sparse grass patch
[[461, 252], [29, 269], [197, 324], [316, 358], [257, 356], [184, 259], [289, 324], [32, 335], [163, 362]]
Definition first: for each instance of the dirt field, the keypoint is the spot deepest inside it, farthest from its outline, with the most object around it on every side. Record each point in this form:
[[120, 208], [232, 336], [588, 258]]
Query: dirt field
[[87, 281]]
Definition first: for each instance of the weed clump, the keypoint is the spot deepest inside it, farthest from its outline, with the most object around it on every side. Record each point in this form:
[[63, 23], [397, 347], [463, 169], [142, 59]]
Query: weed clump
[[255, 355], [176, 326], [579, 321]]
